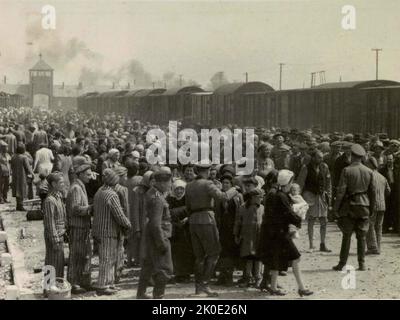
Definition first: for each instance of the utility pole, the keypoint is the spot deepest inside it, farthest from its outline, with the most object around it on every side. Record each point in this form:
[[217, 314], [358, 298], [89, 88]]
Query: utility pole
[[280, 75], [322, 77], [153, 85], [247, 76], [312, 79], [180, 80], [377, 60]]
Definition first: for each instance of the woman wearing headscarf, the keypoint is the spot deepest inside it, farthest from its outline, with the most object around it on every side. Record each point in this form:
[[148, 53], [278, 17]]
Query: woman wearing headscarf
[[181, 245], [278, 247], [226, 211]]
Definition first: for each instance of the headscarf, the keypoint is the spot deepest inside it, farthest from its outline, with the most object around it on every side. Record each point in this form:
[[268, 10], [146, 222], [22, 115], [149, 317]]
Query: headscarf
[[176, 184]]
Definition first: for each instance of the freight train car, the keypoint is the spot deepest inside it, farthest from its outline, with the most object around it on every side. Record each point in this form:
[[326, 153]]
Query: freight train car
[[148, 104], [229, 103], [333, 106], [200, 109], [382, 111], [175, 104]]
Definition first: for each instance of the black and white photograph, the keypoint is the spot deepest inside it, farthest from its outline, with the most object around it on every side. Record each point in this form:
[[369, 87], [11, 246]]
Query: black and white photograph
[[199, 151]]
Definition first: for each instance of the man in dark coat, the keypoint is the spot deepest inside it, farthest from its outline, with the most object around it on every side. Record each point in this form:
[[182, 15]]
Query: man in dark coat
[[355, 200], [158, 260]]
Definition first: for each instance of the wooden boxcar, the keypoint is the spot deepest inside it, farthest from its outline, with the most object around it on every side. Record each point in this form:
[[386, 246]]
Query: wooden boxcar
[[230, 103], [201, 109], [148, 102], [175, 104], [382, 111], [332, 106], [128, 102]]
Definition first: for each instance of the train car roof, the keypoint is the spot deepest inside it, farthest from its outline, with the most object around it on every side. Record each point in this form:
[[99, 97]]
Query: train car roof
[[113, 93], [205, 93], [89, 94], [181, 90], [383, 87], [241, 87], [356, 84], [150, 92], [133, 92]]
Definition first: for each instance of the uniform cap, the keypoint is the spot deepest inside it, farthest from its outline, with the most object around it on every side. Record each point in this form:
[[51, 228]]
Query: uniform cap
[[358, 150], [162, 174]]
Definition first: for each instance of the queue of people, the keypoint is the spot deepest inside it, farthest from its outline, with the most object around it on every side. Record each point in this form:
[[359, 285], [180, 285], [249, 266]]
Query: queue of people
[[101, 196]]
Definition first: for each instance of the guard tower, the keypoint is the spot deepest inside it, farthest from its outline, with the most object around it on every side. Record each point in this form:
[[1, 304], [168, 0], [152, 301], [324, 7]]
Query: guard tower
[[41, 84]]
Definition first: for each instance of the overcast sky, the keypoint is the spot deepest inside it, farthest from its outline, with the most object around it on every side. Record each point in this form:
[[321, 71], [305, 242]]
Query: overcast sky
[[197, 39]]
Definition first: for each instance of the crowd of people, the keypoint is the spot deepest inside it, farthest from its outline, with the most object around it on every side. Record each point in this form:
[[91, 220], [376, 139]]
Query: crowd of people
[[101, 196]]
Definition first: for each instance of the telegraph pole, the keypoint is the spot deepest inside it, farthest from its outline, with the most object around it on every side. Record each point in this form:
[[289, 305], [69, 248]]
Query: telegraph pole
[[180, 80], [247, 76], [377, 60], [280, 75]]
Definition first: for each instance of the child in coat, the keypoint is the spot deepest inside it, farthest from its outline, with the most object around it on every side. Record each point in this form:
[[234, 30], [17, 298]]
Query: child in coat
[[247, 232]]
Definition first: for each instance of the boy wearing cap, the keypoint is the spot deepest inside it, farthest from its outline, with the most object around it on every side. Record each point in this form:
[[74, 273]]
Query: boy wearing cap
[[157, 262], [355, 201], [79, 214]]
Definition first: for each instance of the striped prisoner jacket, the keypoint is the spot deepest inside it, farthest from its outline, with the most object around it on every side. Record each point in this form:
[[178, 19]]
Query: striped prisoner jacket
[[109, 217], [122, 193], [54, 217], [78, 209]]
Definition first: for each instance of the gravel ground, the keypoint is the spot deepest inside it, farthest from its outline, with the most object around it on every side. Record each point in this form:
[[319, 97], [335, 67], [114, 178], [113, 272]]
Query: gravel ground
[[5, 274], [381, 280]]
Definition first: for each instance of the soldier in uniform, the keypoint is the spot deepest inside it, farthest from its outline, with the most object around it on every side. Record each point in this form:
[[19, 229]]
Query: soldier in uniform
[[203, 229], [355, 200], [157, 262]]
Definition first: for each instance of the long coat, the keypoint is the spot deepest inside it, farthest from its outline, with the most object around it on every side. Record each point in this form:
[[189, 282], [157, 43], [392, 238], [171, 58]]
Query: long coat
[[20, 169], [226, 212], [247, 229], [158, 232], [276, 248]]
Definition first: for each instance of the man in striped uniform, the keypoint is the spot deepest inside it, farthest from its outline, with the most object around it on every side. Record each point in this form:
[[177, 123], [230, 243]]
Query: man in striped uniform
[[79, 222], [54, 220], [109, 221], [122, 192]]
